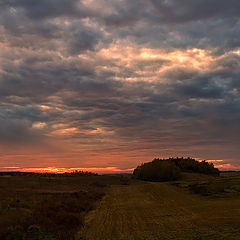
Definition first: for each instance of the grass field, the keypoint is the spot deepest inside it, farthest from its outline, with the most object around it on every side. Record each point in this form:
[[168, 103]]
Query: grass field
[[117, 208], [161, 211], [39, 207]]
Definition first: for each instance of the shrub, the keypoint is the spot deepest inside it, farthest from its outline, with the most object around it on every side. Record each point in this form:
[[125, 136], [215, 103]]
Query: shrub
[[157, 170], [191, 165], [170, 169]]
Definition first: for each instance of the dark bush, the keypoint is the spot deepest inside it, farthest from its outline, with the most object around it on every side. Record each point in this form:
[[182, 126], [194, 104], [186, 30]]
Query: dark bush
[[192, 165], [170, 169], [157, 170]]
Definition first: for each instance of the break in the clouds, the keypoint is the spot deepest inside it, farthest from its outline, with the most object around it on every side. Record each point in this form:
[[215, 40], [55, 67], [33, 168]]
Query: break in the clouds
[[109, 84]]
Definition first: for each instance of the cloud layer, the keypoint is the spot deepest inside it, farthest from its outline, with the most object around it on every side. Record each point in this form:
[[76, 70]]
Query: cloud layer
[[88, 84]]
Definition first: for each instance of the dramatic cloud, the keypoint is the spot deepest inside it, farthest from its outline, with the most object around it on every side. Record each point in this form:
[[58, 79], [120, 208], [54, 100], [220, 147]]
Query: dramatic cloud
[[109, 84]]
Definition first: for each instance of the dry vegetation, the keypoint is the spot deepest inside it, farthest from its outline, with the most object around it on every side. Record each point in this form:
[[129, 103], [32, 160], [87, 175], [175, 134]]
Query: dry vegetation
[[197, 207], [162, 211], [225, 186], [47, 206]]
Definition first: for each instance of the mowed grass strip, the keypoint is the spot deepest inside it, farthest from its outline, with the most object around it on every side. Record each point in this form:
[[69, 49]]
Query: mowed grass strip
[[160, 211]]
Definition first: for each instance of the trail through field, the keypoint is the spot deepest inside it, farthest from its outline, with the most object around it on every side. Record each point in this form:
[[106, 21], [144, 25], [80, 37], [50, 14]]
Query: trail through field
[[160, 211]]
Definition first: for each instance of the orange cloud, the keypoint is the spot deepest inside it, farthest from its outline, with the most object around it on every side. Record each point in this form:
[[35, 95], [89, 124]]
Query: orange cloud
[[228, 166]]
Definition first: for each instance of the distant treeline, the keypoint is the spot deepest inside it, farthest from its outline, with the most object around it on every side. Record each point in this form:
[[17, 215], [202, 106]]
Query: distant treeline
[[79, 173], [171, 168], [18, 173], [74, 173]]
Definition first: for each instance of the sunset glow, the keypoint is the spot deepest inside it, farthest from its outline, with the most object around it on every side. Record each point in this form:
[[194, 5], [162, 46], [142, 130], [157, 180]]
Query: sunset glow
[[107, 170]]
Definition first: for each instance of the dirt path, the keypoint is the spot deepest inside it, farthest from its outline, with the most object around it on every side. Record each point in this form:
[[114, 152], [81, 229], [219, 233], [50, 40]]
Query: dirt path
[[159, 211]]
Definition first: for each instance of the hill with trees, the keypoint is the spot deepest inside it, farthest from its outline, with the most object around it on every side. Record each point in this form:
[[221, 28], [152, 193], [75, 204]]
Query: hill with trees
[[171, 169]]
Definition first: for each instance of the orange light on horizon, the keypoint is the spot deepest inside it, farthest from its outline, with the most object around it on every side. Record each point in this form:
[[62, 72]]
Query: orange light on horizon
[[103, 170], [68, 170]]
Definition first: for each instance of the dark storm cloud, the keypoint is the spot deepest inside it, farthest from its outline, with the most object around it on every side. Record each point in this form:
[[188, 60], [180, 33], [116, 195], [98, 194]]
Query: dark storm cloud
[[29, 112], [201, 88], [40, 77], [174, 11], [81, 39], [15, 22], [129, 104], [17, 131], [16, 124], [45, 8], [178, 24], [125, 13]]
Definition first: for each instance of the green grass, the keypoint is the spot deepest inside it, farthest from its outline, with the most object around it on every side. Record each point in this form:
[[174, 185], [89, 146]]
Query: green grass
[[160, 211]]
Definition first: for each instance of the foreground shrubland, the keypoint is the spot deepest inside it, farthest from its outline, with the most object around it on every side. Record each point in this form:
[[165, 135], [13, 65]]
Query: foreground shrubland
[[45, 207]]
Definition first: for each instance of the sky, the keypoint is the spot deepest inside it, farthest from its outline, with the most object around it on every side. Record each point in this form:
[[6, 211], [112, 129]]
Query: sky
[[105, 85]]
